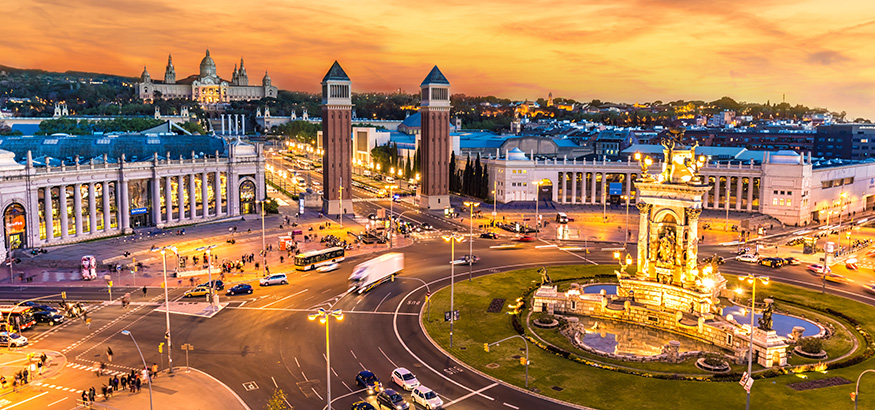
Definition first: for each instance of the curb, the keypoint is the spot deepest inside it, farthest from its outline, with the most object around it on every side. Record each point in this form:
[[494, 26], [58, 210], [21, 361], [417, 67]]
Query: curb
[[242, 403]]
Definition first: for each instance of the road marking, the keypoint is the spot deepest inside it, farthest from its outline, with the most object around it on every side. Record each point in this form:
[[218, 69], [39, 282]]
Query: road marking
[[387, 357], [381, 302], [305, 376], [335, 373], [297, 362], [511, 406], [353, 354], [363, 366], [280, 300], [54, 403], [472, 394], [274, 382], [242, 303], [317, 393], [25, 401], [345, 385]]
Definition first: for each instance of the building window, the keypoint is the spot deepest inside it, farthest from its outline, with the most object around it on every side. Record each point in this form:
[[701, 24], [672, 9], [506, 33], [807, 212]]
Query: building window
[[788, 202], [774, 201], [781, 202]]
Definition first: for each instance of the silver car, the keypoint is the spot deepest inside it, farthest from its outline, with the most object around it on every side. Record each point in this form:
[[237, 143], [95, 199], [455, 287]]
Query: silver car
[[275, 279]]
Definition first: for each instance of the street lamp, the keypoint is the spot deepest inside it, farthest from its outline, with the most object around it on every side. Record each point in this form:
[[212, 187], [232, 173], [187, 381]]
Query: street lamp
[[537, 210], [323, 316], [167, 303], [391, 212], [752, 280], [486, 347], [494, 201], [212, 285], [856, 393], [452, 239], [471, 206], [263, 245], [620, 260], [149, 379], [626, 198]]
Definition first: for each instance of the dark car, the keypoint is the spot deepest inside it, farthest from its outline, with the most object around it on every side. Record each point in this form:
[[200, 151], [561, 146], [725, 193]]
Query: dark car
[[791, 261], [772, 262], [489, 235], [217, 284], [368, 380], [391, 399], [239, 288], [362, 405], [47, 316], [426, 226]]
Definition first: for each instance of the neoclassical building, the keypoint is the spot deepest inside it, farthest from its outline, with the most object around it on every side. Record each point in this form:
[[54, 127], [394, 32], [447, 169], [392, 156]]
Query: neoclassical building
[[63, 188], [206, 87]]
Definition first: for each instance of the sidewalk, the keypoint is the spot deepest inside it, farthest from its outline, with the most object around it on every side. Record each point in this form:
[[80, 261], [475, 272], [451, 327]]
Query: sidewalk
[[13, 361]]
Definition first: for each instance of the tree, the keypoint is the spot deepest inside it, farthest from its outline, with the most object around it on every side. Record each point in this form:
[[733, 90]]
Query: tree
[[454, 187], [408, 168], [466, 176], [193, 127], [476, 179], [484, 183], [277, 401]]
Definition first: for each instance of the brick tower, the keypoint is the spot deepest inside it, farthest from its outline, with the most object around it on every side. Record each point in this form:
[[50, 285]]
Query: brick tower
[[336, 142], [435, 141]]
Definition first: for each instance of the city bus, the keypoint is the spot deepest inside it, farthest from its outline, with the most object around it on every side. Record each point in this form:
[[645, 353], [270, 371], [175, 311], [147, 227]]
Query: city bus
[[18, 317], [314, 259]]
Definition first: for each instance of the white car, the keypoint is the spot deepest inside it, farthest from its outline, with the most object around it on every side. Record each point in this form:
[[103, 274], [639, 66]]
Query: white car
[[328, 268], [13, 339], [747, 258], [402, 377], [427, 398], [275, 279]]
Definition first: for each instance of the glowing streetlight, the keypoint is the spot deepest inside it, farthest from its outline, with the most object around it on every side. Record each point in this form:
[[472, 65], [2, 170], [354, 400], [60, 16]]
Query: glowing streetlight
[[323, 316], [752, 280], [452, 239], [471, 206]]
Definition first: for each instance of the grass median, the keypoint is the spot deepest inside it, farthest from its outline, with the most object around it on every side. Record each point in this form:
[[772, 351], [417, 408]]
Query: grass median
[[557, 377]]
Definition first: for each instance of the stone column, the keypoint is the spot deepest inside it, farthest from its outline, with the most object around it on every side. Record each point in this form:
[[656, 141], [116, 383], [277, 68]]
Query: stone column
[[168, 201], [217, 186], [92, 209], [155, 186], [706, 195], [728, 188], [107, 211], [738, 194], [77, 208], [583, 187], [692, 247], [62, 210], [124, 208], [574, 187], [750, 187], [716, 191], [592, 194], [180, 193], [204, 190], [628, 180], [604, 196], [49, 213], [192, 200], [643, 240]]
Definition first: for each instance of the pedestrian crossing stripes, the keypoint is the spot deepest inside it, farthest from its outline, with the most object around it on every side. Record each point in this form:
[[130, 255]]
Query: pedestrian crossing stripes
[[87, 368], [56, 387]]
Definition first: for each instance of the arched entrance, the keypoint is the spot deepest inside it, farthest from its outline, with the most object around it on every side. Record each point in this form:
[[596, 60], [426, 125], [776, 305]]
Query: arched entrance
[[14, 226], [247, 197], [545, 190]]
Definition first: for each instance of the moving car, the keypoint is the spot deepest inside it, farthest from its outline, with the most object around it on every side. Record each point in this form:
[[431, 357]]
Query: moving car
[[772, 262], [47, 316], [368, 380], [525, 238], [747, 258], [217, 284], [426, 226], [506, 246], [427, 398], [362, 405], [392, 400], [466, 260], [14, 339], [489, 235], [372, 217], [791, 261], [835, 278], [239, 288], [275, 279], [404, 378], [198, 291], [328, 268], [815, 269], [869, 287]]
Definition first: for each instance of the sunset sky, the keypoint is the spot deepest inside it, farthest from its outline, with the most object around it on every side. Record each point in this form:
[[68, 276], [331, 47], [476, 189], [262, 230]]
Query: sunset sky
[[817, 53]]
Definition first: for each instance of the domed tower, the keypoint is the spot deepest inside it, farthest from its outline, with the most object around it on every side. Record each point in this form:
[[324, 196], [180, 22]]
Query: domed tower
[[169, 72], [265, 81], [208, 66], [269, 90], [145, 77], [242, 77], [235, 76]]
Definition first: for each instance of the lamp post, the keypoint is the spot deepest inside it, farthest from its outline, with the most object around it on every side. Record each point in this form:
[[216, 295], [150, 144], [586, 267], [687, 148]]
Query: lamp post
[[857, 389], [149, 379], [752, 280], [486, 347], [494, 201], [323, 316], [471, 206], [167, 304], [537, 208], [619, 257], [627, 198], [390, 188], [212, 285], [452, 239]]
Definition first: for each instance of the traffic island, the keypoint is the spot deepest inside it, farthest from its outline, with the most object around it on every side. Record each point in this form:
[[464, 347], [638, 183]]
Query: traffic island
[[592, 381]]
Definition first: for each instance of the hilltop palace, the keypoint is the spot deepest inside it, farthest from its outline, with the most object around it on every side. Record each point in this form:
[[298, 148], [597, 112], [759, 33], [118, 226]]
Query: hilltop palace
[[206, 87]]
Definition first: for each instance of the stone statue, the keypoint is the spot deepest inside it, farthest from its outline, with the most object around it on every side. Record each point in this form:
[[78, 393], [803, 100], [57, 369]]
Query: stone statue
[[666, 250], [545, 278], [766, 321]]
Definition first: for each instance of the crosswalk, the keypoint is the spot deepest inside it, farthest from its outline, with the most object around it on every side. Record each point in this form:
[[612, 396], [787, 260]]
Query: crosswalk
[[87, 368], [56, 387]]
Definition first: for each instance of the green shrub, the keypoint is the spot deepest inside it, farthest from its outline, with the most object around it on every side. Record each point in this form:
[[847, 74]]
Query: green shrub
[[811, 344]]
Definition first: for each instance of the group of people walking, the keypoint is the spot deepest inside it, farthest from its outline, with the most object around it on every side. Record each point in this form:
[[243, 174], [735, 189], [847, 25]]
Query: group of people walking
[[35, 365], [132, 382]]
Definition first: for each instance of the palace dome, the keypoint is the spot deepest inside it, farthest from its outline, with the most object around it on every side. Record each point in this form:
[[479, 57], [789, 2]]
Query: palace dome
[[208, 66]]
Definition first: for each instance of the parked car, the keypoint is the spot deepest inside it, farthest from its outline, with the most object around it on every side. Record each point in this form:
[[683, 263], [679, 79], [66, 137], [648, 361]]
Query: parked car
[[198, 291], [489, 235], [772, 262], [362, 405], [368, 380], [328, 268], [747, 258], [404, 378], [275, 279], [52, 317], [239, 288], [427, 398], [372, 217], [392, 400], [12, 339], [791, 261]]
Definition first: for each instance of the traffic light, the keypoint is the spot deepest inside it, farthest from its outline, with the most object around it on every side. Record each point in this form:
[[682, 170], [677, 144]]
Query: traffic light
[[486, 347], [854, 397], [63, 295], [160, 347], [523, 361], [109, 283]]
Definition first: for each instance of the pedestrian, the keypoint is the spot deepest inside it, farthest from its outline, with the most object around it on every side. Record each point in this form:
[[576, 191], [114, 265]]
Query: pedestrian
[[92, 394], [3, 382], [267, 270], [124, 381], [104, 392], [24, 376], [144, 291], [84, 397], [281, 259], [109, 354], [39, 365], [43, 358], [154, 370], [115, 382], [139, 381]]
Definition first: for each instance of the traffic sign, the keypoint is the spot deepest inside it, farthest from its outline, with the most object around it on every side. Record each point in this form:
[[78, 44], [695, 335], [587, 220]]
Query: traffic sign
[[455, 315]]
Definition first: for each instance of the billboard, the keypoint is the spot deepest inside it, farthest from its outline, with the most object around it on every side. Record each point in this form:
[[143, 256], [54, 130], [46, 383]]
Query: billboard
[[615, 188]]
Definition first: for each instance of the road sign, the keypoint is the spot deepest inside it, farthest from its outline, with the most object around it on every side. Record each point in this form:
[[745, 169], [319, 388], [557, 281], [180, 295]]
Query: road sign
[[455, 315], [746, 382], [186, 347]]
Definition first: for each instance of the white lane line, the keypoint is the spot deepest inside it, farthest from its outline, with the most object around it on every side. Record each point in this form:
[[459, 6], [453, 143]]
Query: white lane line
[[242, 303], [345, 385], [280, 300], [381, 302], [25, 401], [353, 308], [386, 356], [317, 393], [335, 373], [353, 354], [274, 382], [297, 362], [305, 376], [363, 366], [314, 307], [54, 403], [472, 394], [511, 406]]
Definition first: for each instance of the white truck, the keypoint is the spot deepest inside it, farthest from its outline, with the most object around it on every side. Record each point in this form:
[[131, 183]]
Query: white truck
[[369, 274]]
